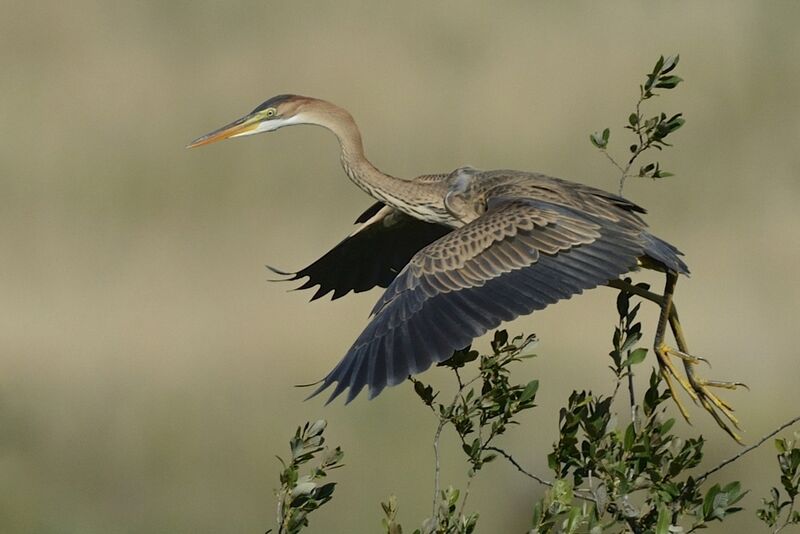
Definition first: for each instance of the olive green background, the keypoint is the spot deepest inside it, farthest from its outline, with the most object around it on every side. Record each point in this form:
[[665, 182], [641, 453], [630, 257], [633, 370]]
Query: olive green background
[[146, 365]]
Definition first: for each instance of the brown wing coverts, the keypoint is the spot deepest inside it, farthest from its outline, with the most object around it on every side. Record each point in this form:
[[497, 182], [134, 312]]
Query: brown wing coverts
[[520, 256], [372, 257]]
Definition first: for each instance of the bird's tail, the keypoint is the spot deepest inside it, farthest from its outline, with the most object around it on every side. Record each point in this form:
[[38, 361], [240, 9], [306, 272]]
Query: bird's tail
[[665, 254]]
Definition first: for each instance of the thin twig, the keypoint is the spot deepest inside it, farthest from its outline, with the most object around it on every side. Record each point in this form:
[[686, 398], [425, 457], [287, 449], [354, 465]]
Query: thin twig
[[521, 469], [442, 422], [613, 161], [788, 518], [732, 459], [537, 478], [591, 488], [437, 469], [641, 147], [466, 496], [616, 388], [458, 379], [632, 396], [279, 513]]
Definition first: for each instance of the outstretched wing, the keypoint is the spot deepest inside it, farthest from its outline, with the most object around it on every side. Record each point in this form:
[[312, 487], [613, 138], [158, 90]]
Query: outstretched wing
[[520, 256], [371, 256]]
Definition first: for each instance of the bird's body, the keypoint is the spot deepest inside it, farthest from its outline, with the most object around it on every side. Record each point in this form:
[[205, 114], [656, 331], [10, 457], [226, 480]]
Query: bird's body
[[461, 252], [510, 243]]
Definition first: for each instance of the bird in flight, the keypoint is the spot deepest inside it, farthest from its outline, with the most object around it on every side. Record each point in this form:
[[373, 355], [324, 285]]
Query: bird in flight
[[461, 252]]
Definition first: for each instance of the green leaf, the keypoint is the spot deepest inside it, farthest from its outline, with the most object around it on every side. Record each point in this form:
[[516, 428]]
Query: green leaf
[[597, 140], [623, 302], [501, 337], [708, 501], [537, 514], [324, 492], [424, 392], [664, 520], [667, 426], [636, 357], [562, 492], [460, 358], [303, 488], [316, 428], [659, 65], [530, 391], [670, 63], [572, 520], [668, 82], [734, 492], [630, 437]]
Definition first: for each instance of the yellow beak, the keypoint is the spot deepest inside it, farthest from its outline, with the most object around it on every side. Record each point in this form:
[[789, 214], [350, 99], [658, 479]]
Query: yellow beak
[[238, 127]]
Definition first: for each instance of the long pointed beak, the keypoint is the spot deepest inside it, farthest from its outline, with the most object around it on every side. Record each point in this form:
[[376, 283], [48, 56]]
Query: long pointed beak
[[238, 127]]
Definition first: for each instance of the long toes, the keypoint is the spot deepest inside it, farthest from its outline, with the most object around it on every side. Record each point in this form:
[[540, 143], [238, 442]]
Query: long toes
[[721, 422], [668, 368], [712, 403], [723, 406], [666, 375], [724, 384], [697, 388], [686, 357]]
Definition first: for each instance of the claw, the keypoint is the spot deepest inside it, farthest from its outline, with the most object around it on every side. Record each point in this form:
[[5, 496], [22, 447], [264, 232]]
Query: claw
[[713, 404], [701, 386], [694, 360], [697, 388], [724, 385]]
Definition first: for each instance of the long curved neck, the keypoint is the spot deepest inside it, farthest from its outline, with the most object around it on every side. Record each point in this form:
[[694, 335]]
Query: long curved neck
[[404, 195]]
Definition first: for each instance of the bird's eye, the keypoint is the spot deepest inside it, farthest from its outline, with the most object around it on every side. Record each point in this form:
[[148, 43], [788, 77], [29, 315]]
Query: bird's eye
[[270, 113]]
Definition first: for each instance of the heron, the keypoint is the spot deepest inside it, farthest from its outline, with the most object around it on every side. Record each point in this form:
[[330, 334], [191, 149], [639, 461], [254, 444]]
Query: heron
[[458, 253]]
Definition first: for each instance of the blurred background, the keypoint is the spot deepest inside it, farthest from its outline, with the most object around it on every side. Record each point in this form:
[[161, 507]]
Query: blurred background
[[146, 364]]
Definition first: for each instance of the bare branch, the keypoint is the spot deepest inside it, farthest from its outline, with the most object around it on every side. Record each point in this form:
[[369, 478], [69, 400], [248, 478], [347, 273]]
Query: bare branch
[[537, 478], [741, 453]]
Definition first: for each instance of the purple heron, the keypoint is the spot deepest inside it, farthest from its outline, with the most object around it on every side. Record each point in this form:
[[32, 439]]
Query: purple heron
[[461, 252]]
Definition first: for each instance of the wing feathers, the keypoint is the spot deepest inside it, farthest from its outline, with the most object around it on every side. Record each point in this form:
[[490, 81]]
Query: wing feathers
[[371, 256], [520, 256]]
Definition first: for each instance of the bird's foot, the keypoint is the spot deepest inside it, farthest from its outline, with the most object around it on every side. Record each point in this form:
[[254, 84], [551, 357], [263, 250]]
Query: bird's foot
[[720, 410], [698, 388]]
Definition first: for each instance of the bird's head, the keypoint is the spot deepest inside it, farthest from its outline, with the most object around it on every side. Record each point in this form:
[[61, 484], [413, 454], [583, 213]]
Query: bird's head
[[277, 112]]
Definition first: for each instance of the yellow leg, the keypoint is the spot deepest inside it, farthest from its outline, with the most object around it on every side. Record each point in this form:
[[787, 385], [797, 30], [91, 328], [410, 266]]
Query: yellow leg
[[697, 388]]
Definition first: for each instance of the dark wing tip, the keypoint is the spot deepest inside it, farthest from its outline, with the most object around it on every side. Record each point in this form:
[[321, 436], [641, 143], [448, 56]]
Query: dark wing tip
[[279, 272], [370, 212], [342, 375], [341, 386]]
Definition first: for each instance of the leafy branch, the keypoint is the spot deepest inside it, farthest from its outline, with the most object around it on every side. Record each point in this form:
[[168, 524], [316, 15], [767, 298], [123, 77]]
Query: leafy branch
[[300, 495], [478, 416], [636, 474], [651, 132], [606, 477], [789, 464], [627, 334]]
